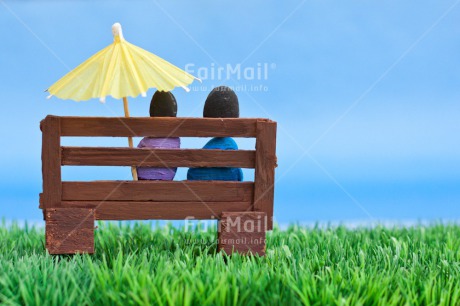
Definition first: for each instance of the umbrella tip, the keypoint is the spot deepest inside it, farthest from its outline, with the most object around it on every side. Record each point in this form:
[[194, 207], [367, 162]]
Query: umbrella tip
[[116, 30]]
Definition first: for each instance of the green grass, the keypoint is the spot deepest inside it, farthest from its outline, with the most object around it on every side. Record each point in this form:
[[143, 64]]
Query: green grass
[[138, 265]]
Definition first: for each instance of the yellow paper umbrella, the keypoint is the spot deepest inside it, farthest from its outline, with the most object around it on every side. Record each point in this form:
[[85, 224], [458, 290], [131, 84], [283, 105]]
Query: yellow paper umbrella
[[120, 70]]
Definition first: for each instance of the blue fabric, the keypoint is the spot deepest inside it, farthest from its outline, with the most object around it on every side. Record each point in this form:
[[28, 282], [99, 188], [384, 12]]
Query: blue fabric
[[217, 173], [221, 143]]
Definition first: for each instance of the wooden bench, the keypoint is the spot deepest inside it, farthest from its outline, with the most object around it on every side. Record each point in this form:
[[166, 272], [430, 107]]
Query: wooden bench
[[70, 208]]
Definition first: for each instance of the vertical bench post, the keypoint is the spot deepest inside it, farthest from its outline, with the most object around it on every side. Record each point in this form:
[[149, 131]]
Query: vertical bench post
[[68, 230], [264, 179], [51, 162]]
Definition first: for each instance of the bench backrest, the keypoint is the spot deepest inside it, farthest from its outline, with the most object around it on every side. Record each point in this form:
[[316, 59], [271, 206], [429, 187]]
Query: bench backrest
[[169, 200]]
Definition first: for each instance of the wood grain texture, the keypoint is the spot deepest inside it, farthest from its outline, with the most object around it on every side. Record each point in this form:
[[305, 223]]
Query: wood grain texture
[[159, 191], [242, 232], [51, 161], [146, 157], [159, 126], [264, 178], [69, 230], [40, 205], [40, 200], [129, 210]]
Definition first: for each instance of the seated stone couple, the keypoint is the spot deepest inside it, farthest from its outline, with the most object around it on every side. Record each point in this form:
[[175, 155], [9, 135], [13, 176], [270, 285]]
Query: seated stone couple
[[222, 102]]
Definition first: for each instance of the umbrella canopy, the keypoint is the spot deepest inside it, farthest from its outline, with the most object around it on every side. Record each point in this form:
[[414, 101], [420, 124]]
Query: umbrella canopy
[[119, 70]]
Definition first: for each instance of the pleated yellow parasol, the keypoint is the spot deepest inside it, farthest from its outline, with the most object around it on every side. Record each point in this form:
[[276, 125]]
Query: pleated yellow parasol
[[120, 70]]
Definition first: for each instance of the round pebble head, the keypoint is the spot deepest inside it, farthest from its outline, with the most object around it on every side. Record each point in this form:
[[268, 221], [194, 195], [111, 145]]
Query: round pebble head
[[163, 104], [222, 102]]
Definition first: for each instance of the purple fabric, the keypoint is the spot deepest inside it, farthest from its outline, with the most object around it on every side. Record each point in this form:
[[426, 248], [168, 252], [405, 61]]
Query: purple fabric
[[151, 173]]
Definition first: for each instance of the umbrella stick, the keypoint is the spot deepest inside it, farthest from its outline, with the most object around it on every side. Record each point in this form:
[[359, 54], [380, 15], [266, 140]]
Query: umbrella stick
[[130, 139]]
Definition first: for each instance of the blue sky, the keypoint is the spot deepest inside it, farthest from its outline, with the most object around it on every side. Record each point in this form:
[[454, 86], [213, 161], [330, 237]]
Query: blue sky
[[366, 94]]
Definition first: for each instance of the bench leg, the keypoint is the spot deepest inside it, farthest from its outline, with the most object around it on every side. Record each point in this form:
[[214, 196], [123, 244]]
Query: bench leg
[[242, 232], [69, 230]]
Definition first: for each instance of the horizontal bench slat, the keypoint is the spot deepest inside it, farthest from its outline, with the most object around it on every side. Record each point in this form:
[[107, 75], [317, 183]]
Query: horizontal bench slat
[[158, 191], [159, 126], [119, 210], [87, 156]]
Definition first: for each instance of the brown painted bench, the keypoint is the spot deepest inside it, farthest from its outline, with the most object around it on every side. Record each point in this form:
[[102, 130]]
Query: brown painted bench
[[70, 208]]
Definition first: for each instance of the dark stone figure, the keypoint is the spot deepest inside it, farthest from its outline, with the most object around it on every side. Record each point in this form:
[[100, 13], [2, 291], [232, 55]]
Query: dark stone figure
[[163, 104], [222, 102]]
